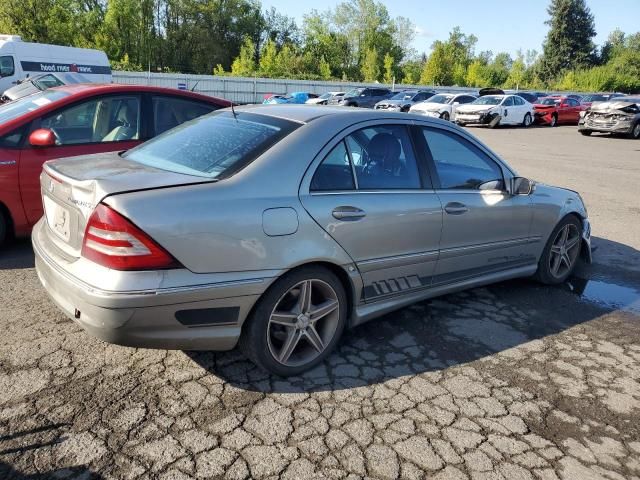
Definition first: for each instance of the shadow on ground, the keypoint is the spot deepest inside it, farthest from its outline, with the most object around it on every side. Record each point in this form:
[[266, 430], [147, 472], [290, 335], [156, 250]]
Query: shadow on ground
[[452, 330]]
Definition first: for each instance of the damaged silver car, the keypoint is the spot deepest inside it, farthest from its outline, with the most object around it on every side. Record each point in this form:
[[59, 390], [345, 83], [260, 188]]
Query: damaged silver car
[[619, 116]]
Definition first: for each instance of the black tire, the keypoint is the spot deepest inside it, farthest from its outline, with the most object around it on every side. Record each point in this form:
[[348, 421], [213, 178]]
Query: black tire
[[544, 273], [4, 229], [444, 116], [554, 121], [635, 132], [527, 121], [253, 341], [586, 133]]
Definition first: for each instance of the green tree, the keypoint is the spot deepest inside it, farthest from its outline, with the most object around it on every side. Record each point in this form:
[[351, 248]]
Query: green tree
[[370, 68], [439, 67], [569, 42], [324, 69], [245, 65], [388, 69], [269, 60], [411, 72], [516, 78]]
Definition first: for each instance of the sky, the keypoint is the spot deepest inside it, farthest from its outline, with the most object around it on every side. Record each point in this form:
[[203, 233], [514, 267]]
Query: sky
[[500, 25]]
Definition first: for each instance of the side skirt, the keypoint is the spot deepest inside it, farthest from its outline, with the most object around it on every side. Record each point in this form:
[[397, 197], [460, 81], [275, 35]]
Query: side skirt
[[368, 311]]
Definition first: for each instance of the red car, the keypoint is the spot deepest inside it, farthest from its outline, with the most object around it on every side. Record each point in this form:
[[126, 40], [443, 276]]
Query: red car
[[555, 110], [78, 120]]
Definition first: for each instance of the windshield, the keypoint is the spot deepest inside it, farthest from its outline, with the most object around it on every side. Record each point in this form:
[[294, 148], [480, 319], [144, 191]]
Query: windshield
[[325, 96], [549, 101], [488, 100], [354, 93], [212, 146], [440, 99], [46, 81], [593, 98], [19, 107], [404, 96]]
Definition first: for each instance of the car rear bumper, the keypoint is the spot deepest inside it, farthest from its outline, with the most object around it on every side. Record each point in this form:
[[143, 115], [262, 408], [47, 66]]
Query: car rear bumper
[[164, 318]]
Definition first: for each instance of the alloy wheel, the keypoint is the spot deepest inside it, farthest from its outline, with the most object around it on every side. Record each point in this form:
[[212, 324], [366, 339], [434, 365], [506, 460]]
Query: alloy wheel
[[564, 251], [636, 131], [554, 121], [303, 323]]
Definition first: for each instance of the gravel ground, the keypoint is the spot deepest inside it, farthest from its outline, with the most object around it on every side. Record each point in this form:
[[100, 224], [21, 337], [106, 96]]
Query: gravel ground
[[513, 381]]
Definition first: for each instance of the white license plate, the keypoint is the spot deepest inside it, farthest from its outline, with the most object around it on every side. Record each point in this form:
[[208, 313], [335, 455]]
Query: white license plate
[[58, 218]]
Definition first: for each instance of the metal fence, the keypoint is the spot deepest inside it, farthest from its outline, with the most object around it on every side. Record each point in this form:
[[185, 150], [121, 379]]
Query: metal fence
[[251, 90]]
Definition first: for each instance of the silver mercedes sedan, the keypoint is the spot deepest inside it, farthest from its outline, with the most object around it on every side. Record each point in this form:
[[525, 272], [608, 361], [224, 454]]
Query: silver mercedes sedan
[[277, 227]]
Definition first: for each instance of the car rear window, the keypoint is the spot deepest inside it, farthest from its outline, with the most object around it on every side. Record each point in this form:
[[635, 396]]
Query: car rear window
[[213, 146], [19, 107]]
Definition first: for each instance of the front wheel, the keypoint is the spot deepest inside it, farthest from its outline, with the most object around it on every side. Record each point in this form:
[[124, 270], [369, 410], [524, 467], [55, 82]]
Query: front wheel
[[586, 133], [444, 116], [635, 133], [561, 252], [297, 322], [527, 120], [554, 121]]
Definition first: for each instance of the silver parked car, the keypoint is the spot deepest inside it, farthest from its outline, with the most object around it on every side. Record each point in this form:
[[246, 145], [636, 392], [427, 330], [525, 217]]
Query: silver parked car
[[278, 227]]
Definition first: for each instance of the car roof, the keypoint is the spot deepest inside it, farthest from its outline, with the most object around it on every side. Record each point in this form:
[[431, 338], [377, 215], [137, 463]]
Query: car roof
[[307, 113], [87, 89]]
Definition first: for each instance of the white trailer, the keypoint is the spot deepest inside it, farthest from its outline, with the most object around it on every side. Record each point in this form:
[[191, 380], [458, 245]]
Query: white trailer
[[18, 59]]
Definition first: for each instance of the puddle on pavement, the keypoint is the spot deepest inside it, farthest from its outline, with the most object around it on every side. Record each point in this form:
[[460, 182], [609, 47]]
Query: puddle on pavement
[[606, 294]]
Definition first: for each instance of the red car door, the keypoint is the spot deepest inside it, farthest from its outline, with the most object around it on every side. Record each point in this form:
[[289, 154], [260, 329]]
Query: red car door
[[9, 191], [100, 124]]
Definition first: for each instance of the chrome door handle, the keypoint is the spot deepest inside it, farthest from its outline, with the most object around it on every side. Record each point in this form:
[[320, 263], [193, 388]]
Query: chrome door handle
[[348, 213], [455, 208]]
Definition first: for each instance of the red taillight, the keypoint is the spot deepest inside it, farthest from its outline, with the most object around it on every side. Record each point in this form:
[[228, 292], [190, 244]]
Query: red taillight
[[114, 242]]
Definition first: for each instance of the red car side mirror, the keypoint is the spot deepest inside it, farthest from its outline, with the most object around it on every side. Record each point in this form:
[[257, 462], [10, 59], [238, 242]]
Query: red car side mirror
[[42, 137]]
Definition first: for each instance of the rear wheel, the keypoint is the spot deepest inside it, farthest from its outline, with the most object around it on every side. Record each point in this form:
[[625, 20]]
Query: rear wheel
[[554, 120], [297, 322], [561, 252], [527, 120], [444, 116], [635, 133]]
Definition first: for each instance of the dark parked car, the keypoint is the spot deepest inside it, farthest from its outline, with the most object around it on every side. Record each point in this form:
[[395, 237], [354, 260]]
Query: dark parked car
[[365, 97], [528, 96], [403, 101]]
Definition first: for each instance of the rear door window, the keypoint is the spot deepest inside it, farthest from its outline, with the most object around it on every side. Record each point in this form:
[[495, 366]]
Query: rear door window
[[169, 112], [334, 173]]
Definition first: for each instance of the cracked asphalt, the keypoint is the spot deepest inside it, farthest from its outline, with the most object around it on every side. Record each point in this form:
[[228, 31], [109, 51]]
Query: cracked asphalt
[[512, 381]]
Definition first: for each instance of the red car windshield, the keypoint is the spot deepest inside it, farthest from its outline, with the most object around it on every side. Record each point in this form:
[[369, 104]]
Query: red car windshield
[[549, 101], [17, 108]]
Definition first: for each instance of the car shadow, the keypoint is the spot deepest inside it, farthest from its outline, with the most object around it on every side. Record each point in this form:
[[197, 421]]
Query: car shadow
[[7, 472], [451, 330], [16, 254]]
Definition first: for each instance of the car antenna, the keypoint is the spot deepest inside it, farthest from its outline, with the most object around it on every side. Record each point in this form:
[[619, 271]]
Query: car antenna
[[233, 111], [195, 85]]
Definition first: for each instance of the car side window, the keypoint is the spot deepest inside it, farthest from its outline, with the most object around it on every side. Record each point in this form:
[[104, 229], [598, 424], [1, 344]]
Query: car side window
[[169, 112], [334, 173], [107, 119], [419, 97], [383, 158], [508, 102], [460, 164], [518, 100], [14, 138], [7, 67], [572, 102]]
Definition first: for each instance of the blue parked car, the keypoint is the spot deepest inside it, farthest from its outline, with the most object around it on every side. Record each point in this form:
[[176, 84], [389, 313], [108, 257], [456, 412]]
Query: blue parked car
[[295, 97]]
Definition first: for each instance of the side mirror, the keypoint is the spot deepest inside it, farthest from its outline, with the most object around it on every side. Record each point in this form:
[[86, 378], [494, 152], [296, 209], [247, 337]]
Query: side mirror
[[522, 186], [42, 137]]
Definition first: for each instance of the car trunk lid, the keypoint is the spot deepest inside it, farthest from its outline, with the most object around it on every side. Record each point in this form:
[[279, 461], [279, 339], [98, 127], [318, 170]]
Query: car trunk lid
[[71, 188]]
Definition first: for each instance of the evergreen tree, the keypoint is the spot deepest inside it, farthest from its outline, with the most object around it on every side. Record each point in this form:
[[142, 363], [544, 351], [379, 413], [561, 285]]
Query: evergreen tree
[[569, 43]]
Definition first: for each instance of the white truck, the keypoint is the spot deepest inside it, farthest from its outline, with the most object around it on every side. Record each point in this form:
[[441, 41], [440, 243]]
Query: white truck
[[19, 59]]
